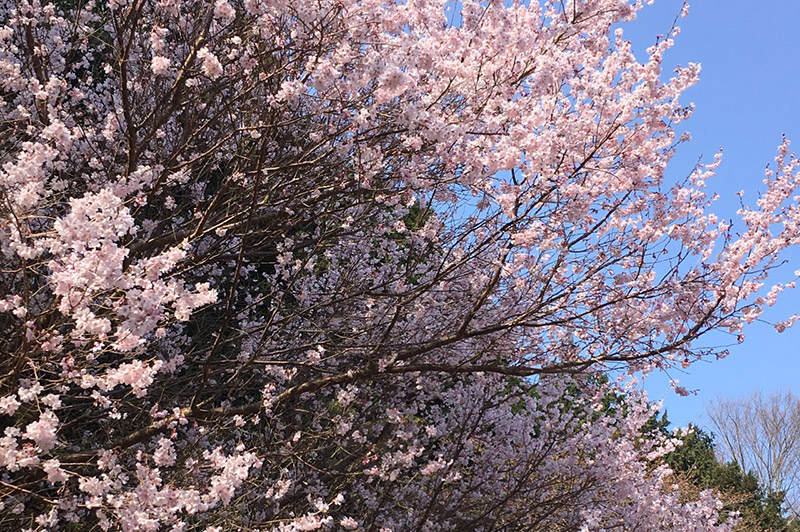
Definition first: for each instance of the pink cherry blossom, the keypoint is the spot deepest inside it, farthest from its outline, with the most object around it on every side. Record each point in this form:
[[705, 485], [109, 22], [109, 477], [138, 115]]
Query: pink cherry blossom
[[335, 264], [43, 431]]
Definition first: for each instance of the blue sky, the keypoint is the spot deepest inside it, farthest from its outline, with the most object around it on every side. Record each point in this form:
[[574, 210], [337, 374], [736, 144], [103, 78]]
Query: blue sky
[[748, 96]]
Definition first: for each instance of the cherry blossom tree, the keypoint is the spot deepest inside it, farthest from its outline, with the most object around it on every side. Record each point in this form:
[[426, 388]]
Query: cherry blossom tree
[[339, 264]]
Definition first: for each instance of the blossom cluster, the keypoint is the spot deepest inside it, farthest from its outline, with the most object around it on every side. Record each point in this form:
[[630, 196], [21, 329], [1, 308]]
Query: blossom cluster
[[353, 264]]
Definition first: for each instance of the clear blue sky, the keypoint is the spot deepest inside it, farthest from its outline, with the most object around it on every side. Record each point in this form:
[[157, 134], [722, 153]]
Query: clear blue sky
[[748, 95]]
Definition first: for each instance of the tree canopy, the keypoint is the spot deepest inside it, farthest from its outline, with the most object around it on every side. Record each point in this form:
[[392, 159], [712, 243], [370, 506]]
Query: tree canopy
[[353, 264], [696, 468]]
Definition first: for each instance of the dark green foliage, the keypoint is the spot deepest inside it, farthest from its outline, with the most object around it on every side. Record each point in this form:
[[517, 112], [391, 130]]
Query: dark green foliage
[[417, 216], [695, 463]]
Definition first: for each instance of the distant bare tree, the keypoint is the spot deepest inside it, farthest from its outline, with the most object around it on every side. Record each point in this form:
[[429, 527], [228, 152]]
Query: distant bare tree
[[762, 435]]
